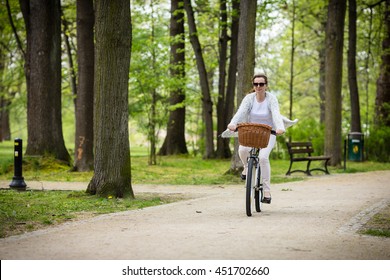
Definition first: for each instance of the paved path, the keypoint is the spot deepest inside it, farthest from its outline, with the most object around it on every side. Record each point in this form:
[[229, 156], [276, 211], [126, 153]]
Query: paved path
[[315, 219]]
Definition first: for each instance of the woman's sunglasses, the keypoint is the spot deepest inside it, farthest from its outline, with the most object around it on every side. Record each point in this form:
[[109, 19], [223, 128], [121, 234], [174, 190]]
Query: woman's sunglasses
[[259, 84]]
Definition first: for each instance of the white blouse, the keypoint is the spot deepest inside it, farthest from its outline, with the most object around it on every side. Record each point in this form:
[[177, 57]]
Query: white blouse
[[260, 113]]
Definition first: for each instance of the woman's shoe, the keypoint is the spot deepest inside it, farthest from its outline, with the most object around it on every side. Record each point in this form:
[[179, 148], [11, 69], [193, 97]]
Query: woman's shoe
[[266, 200], [243, 177]]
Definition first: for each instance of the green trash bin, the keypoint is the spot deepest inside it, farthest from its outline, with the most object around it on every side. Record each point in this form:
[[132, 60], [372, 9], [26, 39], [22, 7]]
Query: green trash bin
[[355, 146]]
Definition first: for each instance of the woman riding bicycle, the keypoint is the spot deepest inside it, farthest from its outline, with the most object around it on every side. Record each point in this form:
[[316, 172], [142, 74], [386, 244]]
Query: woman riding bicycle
[[261, 107]]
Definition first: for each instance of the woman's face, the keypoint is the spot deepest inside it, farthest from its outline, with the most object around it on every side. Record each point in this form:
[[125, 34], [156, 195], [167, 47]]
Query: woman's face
[[259, 84]]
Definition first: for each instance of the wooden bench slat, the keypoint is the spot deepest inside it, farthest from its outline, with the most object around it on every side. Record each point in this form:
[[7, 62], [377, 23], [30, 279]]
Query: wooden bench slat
[[318, 157], [300, 143], [301, 151]]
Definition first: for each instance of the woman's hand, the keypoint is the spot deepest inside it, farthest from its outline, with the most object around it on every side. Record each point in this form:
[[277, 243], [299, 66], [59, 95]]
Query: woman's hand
[[279, 131], [232, 127]]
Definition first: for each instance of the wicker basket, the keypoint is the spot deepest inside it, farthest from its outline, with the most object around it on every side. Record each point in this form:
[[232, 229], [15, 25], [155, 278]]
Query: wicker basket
[[253, 135]]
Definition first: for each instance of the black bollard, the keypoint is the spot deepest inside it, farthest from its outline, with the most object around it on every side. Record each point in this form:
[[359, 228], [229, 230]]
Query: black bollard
[[18, 180]]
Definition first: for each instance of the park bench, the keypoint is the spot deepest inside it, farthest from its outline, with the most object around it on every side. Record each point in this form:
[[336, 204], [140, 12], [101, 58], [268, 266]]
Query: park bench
[[301, 151]]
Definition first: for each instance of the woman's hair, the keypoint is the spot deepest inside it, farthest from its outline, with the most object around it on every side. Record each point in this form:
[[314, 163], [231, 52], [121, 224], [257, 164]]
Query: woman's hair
[[258, 76]]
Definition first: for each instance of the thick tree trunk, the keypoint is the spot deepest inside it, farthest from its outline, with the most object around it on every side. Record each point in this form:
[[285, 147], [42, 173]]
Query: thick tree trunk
[[43, 72], [352, 79], [207, 103], [333, 78], [246, 60], [175, 142], [223, 150], [83, 160], [112, 61], [382, 102]]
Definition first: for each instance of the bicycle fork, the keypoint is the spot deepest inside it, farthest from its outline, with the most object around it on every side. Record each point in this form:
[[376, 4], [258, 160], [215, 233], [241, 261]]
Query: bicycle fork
[[258, 183]]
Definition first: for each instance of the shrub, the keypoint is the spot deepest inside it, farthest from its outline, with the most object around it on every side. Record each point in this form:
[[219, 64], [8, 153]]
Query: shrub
[[378, 144]]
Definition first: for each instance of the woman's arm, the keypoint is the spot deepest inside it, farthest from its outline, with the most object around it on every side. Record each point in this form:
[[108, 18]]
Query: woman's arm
[[276, 116], [242, 112]]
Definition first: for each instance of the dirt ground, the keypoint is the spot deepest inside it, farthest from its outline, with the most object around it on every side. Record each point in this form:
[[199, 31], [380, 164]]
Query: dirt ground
[[318, 219]]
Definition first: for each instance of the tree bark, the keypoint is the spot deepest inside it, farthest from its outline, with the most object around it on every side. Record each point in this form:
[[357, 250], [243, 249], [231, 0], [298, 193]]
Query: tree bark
[[5, 130], [68, 49], [352, 75], [175, 142], [246, 62], [292, 54], [207, 103], [84, 158], [223, 150], [382, 102], [112, 174], [333, 78], [43, 75], [232, 72], [321, 82], [5, 102]]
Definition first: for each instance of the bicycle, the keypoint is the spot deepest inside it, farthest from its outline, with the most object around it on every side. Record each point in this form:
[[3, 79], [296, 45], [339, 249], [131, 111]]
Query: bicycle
[[257, 137]]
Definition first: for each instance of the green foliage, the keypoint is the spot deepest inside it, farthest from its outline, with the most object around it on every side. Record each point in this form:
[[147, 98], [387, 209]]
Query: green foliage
[[308, 129], [378, 144], [149, 67]]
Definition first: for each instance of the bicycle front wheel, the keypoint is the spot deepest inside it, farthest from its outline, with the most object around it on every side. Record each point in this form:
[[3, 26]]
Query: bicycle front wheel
[[258, 190], [250, 182]]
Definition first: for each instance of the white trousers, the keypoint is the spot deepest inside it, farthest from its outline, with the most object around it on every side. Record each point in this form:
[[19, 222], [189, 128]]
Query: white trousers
[[264, 161]]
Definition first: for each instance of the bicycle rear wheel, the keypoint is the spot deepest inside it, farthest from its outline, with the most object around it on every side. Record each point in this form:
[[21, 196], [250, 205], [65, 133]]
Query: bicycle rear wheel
[[250, 182]]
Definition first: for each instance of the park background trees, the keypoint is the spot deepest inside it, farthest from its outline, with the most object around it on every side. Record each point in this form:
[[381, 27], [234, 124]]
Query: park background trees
[[183, 80]]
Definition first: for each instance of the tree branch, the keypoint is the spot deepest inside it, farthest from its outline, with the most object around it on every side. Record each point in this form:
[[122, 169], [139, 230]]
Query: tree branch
[[375, 4], [14, 29]]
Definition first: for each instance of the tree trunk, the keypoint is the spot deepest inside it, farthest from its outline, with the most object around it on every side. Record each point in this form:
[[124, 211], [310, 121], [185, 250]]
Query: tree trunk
[[83, 160], [246, 60], [382, 102], [5, 130], [352, 79], [292, 54], [206, 97], [223, 150], [321, 59], [232, 78], [152, 113], [43, 75], [333, 78], [112, 61], [175, 142], [321, 83], [68, 49]]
